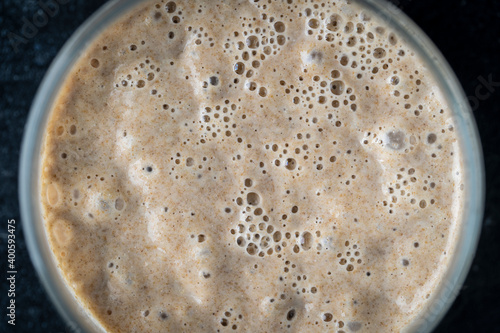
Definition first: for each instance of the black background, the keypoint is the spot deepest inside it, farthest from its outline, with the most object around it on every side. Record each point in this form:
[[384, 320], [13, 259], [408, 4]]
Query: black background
[[468, 34]]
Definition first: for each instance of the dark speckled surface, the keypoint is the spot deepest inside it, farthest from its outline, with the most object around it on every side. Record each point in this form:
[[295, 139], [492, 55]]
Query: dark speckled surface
[[468, 34]]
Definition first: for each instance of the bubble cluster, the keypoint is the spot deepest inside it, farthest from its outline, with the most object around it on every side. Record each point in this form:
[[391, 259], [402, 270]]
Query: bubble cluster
[[259, 234], [230, 319], [402, 190], [255, 234], [142, 77], [303, 155], [217, 123], [350, 258]]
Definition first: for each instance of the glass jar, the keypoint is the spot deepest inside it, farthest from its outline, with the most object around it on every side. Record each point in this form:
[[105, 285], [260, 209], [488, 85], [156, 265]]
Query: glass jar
[[29, 174]]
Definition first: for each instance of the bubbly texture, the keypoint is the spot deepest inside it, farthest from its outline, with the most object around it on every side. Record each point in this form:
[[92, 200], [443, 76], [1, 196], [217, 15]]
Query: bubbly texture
[[252, 166]]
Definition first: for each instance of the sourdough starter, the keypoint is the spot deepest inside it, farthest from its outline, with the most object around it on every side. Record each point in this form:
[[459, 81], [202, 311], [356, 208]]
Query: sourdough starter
[[251, 166]]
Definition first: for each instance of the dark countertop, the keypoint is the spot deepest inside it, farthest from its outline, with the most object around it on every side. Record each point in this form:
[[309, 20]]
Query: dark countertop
[[468, 34]]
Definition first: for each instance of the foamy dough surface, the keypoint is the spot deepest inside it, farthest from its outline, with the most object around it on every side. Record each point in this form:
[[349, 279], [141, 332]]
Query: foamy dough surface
[[251, 166]]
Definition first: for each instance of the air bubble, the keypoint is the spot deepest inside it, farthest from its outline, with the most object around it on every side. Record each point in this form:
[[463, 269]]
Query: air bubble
[[379, 53], [253, 199], [170, 7], [306, 241], [394, 80], [119, 204], [252, 249], [262, 92], [290, 164], [344, 61], [370, 37], [333, 23], [393, 39], [252, 86], [337, 87], [279, 26], [248, 182], [252, 42], [349, 27], [327, 317], [214, 80], [239, 68], [94, 63], [313, 23], [351, 41], [431, 138]]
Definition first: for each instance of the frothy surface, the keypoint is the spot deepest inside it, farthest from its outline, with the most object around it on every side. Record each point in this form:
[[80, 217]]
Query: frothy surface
[[254, 167]]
